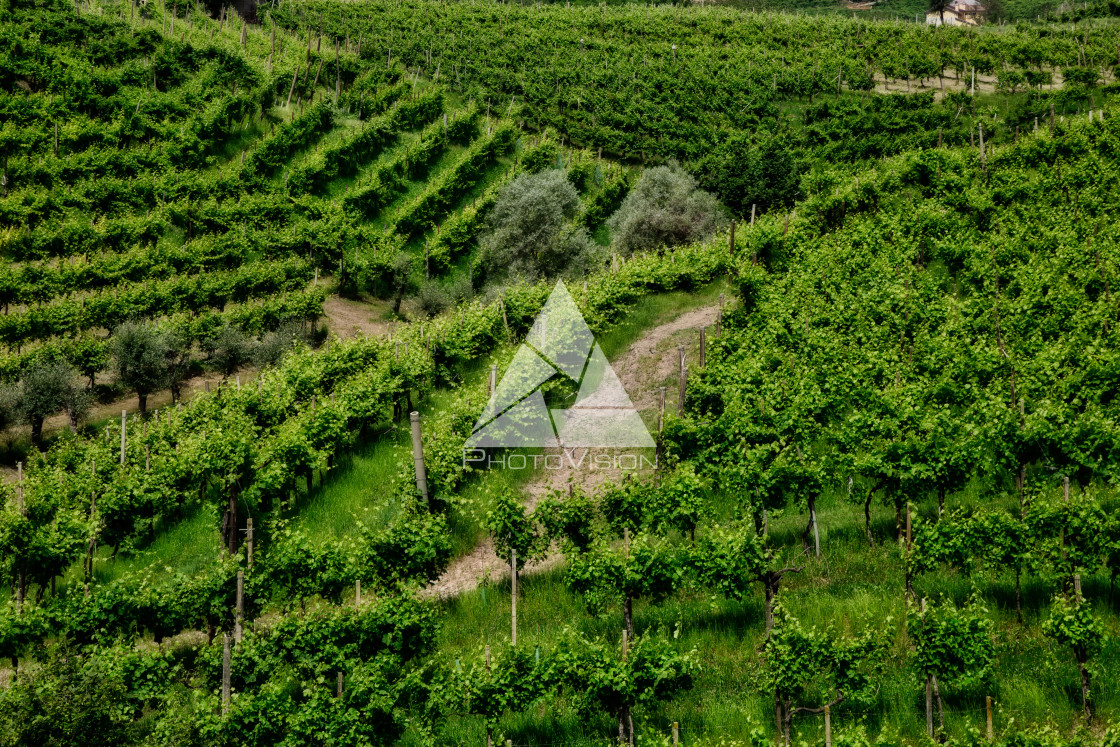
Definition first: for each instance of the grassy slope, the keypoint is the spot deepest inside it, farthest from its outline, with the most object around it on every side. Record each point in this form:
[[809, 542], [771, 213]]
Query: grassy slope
[[851, 586]]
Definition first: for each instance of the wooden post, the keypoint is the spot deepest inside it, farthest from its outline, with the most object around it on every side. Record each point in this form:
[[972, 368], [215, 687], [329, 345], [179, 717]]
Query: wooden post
[[683, 380], [505, 320], [513, 595], [225, 673], [988, 710], [418, 458], [338, 688], [908, 535], [124, 435], [703, 345], [676, 734], [731, 243], [249, 543], [753, 206], [660, 409], [239, 610], [625, 646], [827, 727]]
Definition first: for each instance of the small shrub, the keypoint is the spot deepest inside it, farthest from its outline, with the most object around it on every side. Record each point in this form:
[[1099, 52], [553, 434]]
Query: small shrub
[[665, 208], [530, 233]]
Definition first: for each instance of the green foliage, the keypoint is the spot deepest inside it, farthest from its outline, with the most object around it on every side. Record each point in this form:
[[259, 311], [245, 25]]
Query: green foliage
[[46, 387], [805, 666], [953, 644], [665, 208], [603, 678], [746, 173], [530, 233], [1072, 624], [513, 528]]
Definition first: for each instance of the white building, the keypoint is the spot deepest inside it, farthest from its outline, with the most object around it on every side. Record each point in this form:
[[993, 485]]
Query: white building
[[958, 13]]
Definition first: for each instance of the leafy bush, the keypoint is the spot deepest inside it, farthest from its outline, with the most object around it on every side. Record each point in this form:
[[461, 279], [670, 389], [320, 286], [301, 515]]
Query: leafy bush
[[665, 208], [274, 345], [140, 355], [745, 173], [433, 299], [530, 232]]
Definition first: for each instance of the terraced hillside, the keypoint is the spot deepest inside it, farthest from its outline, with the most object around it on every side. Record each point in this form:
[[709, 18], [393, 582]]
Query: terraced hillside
[[168, 166]]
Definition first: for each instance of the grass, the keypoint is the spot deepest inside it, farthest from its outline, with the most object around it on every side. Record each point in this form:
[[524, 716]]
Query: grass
[[850, 587], [362, 485]]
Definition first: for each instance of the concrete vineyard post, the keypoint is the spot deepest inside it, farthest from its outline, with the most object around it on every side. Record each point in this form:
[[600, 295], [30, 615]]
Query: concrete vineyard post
[[358, 593], [827, 727], [225, 673], [683, 380], [753, 207], [929, 706], [124, 434], [703, 345], [338, 688], [418, 457], [513, 595], [676, 734], [292, 90], [988, 715], [719, 317], [493, 378], [239, 610], [487, 650], [249, 543]]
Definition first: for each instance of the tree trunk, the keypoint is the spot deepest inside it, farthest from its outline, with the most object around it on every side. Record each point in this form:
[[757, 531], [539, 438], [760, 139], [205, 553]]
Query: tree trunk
[[143, 398], [37, 431], [1018, 595], [1086, 703], [778, 714], [867, 517], [770, 583], [622, 726]]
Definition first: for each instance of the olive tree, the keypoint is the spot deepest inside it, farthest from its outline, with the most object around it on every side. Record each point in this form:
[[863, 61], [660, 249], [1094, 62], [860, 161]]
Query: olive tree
[[140, 354], [530, 231], [665, 208], [47, 387]]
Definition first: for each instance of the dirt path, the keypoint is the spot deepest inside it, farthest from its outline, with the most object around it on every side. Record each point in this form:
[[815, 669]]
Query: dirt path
[[648, 363], [344, 318], [347, 318]]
